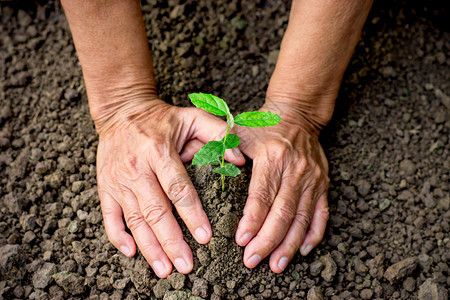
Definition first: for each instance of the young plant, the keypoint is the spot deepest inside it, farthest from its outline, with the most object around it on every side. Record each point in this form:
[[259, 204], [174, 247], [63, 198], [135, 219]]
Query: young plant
[[214, 151]]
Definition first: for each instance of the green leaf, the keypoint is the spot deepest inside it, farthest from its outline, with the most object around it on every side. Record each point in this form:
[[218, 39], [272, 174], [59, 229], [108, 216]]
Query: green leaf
[[228, 170], [210, 103], [257, 119], [209, 153], [232, 141], [230, 120]]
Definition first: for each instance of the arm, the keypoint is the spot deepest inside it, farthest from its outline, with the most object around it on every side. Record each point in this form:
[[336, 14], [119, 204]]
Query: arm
[[139, 169], [287, 206], [113, 50], [316, 49]]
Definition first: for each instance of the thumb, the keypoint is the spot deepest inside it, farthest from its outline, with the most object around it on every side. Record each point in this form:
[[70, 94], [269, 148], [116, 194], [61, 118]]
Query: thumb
[[205, 128]]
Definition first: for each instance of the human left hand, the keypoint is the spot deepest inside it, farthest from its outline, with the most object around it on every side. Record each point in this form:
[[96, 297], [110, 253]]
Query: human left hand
[[287, 206]]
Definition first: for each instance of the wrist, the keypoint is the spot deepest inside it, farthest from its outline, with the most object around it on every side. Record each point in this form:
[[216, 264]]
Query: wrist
[[112, 103], [311, 112]]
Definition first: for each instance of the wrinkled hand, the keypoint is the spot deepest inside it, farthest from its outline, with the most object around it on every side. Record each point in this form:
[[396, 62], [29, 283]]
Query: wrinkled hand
[[287, 206], [140, 172]]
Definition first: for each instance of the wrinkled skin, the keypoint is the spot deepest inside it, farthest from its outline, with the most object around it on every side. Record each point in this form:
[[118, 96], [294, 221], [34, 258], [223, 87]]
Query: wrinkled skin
[[140, 171], [287, 206]]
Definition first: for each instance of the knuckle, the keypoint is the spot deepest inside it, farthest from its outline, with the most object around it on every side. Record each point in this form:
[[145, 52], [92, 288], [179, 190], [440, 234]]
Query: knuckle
[[263, 197], [285, 214], [154, 213], [317, 172], [134, 220], [278, 148], [181, 193], [303, 217], [268, 243], [325, 213], [169, 243]]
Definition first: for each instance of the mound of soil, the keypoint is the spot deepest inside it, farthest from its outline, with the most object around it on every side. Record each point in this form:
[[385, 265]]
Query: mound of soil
[[388, 147]]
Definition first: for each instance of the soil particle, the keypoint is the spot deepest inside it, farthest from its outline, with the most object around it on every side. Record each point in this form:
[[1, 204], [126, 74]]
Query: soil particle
[[9, 256], [360, 267], [363, 187], [227, 224], [43, 277], [425, 262], [330, 268], [161, 288], [203, 256], [176, 280], [401, 269], [430, 290], [409, 284], [316, 267], [366, 294], [408, 167], [176, 295], [28, 222], [315, 293], [200, 288], [71, 282]]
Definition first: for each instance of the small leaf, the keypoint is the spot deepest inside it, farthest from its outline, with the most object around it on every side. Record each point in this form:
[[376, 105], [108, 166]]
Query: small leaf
[[228, 170], [257, 119], [210, 103], [232, 141], [209, 153]]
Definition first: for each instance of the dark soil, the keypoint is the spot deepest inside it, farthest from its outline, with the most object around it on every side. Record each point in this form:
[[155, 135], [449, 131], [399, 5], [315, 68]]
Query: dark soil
[[388, 147]]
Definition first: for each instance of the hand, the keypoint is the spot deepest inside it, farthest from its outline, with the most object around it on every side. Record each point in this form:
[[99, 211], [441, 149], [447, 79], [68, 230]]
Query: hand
[[140, 172], [287, 206]]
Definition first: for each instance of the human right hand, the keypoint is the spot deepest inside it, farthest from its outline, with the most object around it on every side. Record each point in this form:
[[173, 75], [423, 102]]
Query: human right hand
[[140, 173]]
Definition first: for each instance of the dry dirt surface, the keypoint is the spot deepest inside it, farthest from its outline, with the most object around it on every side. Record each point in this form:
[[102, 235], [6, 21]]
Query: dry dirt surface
[[388, 147]]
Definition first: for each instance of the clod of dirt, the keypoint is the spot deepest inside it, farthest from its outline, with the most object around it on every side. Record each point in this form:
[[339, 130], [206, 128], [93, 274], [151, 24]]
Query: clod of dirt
[[200, 288], [43, 277], [315, 267], [161, 287], [70, 282], [401, 269], [176, 280], [330, 269], [203, 256], [227, 224], [315, 293], [430, 290], [9, 256]]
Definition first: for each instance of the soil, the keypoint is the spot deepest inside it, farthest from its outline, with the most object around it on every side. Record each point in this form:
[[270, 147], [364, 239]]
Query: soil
[[388, 147]]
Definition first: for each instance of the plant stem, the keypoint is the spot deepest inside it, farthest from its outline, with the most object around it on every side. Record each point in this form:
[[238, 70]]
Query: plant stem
[[223, 157]]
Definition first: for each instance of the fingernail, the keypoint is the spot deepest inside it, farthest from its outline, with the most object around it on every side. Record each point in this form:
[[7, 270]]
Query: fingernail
[[201, 235], [245, 238], [304, 250], [125, 250], [283, 262], [254, 260], [181, 265], [159, 268], [237, 153]]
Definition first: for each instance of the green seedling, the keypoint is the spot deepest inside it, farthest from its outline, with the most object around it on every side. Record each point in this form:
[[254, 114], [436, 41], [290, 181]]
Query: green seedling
[[214, 151]]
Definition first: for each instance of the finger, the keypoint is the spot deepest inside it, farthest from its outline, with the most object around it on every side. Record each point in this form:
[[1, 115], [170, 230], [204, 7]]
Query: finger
[[144, 236], [296, 233], [189, 150], [193, 146], [114, 226], [318, 225], [176, 184], [209, 128], [157, 212], [276, 225], [263, 188]]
